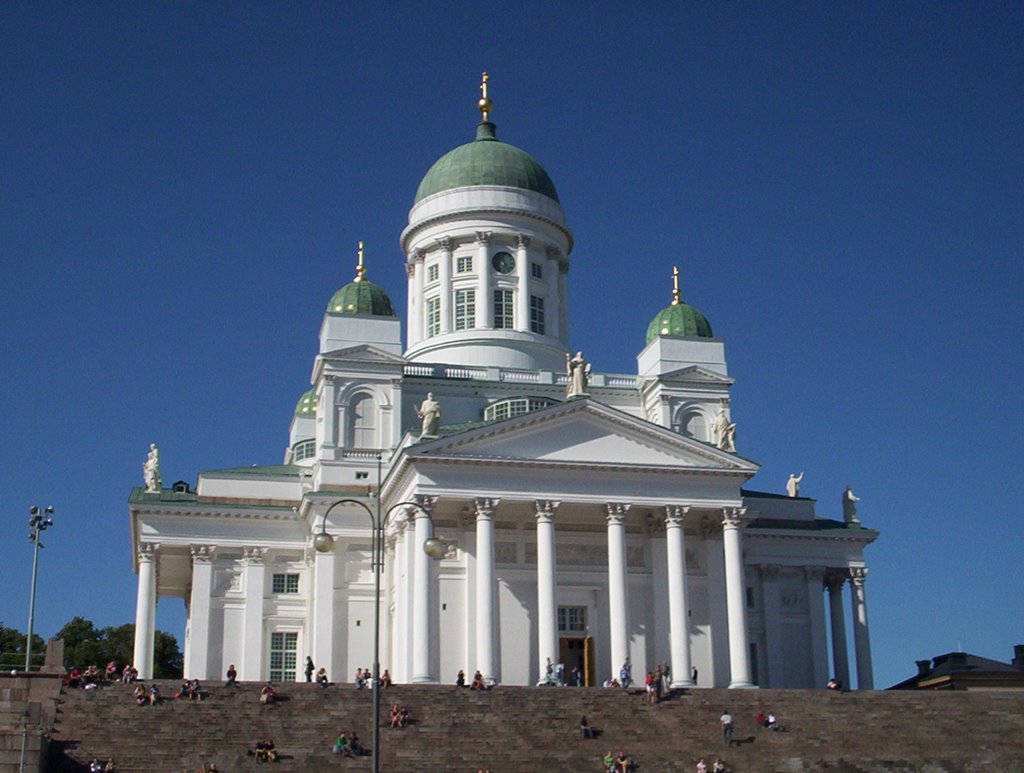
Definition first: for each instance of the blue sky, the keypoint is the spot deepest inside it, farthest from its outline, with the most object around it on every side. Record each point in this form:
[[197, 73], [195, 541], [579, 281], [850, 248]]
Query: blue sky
[[183, 186]]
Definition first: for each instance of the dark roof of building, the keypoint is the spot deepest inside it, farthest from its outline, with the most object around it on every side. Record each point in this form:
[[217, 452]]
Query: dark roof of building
[[953, 664]]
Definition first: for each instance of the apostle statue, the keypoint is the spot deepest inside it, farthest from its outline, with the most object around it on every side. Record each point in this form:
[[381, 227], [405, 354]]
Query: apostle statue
[[430, 412], [151, 469], [578, 370], [793, 484], [724, 431], [850, 501]]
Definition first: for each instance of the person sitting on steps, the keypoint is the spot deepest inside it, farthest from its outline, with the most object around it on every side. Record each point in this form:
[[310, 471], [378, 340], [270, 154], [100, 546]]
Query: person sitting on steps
[[265, 751], [267, 694], [586, 731], [622, 763], [232, 676], [478, 682], [321, 677]]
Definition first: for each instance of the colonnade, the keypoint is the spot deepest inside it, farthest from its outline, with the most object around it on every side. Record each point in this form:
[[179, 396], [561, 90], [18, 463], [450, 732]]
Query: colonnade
[[835, 581]]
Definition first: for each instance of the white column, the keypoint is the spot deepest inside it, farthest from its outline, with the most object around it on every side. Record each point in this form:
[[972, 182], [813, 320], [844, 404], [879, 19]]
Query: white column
[[485, 587], [861, 639], [197, 648], [328, 411], [816, 617], [484, 299], [735, 597], [402, 666], [323, 614], [423, 597], [553, 312], [522, 284], [835, 583], [547, 612], [618, 607], [444, 275], [678, 605], [145, 610], [772, 595], [417, 323], [254, 574]]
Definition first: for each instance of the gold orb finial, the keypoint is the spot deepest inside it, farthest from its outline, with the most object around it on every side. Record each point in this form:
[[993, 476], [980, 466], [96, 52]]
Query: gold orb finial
[[676, 300], [360, 268], [485, 103]]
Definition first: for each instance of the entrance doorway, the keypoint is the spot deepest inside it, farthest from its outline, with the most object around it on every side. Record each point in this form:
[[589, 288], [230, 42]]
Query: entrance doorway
[[578, 652]]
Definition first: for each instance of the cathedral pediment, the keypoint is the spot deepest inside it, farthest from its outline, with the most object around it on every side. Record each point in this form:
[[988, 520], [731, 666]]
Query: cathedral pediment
[[694, 374], [582, 433], [364, 353]]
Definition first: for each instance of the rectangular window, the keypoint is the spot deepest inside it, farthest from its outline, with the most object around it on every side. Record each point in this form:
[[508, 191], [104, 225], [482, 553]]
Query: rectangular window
[[464, 264], [572, 619], [537, 314], [285, 583], [503, 310], [283, 656], [536, 271], [465, 309], [433, 316], [432, 273], [750, 597]]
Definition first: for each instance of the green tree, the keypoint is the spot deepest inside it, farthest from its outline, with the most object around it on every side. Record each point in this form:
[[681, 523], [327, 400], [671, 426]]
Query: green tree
[[85, 644], [12, 648]]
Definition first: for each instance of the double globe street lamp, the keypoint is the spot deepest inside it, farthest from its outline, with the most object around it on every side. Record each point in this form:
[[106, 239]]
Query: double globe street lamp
[[433, 547], [39, 522]]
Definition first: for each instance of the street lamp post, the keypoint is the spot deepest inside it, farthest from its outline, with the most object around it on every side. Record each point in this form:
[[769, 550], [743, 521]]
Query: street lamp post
[[38, 523], [324, 543]]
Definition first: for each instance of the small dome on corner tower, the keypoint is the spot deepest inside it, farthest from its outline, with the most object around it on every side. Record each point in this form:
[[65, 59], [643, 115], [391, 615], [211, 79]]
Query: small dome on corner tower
[[678, 319], [361, 296]]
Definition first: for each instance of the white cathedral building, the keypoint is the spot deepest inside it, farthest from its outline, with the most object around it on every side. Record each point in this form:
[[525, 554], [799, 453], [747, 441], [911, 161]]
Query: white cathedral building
[[587, 518]]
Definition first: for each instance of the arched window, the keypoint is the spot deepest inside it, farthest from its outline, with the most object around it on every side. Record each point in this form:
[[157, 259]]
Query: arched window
[[694, 424], [362, 421]]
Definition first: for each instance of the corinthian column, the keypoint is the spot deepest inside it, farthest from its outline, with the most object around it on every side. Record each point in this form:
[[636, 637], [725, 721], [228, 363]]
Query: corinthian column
[[735, 597], [197, 646], [485, 587], [861, 639], [484, 301], [522, 316], [835, 582], [254, 573], [678, 611], [444, 274], [145, 610], [618, 608], [547, 614], [423, 597]]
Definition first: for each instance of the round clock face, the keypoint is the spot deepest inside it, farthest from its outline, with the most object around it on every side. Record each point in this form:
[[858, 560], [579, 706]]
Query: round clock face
[[503, 262]]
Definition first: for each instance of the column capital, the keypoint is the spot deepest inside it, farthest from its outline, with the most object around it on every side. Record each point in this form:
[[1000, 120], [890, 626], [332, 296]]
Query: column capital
[[769, 571], [485, 506], [410, 269], [835, 580], [815, 573], [426, 503], [202, 554], [522, 241], [253, 556], [546, 509], [148, 551], [553, 252], [675, 514], [858, 575], [419, 254], [733, 517], [483, 237], [446, 243], [616, 511]]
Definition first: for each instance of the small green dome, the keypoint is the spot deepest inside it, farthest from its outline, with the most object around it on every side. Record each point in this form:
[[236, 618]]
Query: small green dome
[[361, 297], [486, 161], [679, 319], [307, 404]]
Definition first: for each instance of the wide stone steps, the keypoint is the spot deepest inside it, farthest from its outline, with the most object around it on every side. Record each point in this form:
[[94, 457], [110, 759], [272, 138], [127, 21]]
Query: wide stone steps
[[535, 729]]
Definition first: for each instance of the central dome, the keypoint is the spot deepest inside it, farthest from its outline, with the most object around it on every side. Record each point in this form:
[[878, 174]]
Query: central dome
[[486, 161]]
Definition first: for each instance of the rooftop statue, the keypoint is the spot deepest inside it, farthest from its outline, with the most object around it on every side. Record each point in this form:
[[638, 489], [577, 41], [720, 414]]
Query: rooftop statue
[[151, 469], [430, 412], [578, 370], [724, 432], [793, 485], [850, 501]]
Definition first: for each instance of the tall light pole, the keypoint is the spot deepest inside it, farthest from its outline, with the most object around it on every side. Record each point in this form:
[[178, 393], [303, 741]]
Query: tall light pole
[[38, 523], [324, 543]]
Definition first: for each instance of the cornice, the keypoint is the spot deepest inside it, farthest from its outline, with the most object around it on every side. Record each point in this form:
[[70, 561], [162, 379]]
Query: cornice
[[410, 231]]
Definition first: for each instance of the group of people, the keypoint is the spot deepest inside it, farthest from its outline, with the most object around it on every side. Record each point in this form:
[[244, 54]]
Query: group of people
[[265, 751], [144, 697], [348, 745], [618, 763], [769, 721], [478, 682], [92, 677], [718, 766], [208, 767], [96, 766], [399, 716], [190, 690]]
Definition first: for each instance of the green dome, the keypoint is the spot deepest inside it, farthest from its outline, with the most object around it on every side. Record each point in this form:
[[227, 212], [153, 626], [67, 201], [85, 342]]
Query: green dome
[[679, 319], [361, 297], [307, 404], [486, 161]]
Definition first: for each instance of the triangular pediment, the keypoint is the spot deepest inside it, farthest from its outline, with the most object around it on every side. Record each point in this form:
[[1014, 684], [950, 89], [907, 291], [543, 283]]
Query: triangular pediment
[[695, 374], [362, 353], [582, 432]]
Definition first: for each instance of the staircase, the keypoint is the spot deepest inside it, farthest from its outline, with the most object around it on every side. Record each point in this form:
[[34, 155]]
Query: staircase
[[26, 712], [523, 729]]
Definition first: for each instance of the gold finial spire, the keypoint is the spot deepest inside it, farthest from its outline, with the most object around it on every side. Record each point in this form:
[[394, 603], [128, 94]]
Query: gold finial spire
[[676, 300], [360, 268], [485, 103]]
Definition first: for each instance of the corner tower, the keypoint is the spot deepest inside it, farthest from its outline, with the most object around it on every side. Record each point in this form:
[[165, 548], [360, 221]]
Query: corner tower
[[487, 256]]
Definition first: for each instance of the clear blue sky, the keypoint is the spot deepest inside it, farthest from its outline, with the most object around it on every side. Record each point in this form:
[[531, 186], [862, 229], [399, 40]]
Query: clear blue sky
[[182, 186]]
